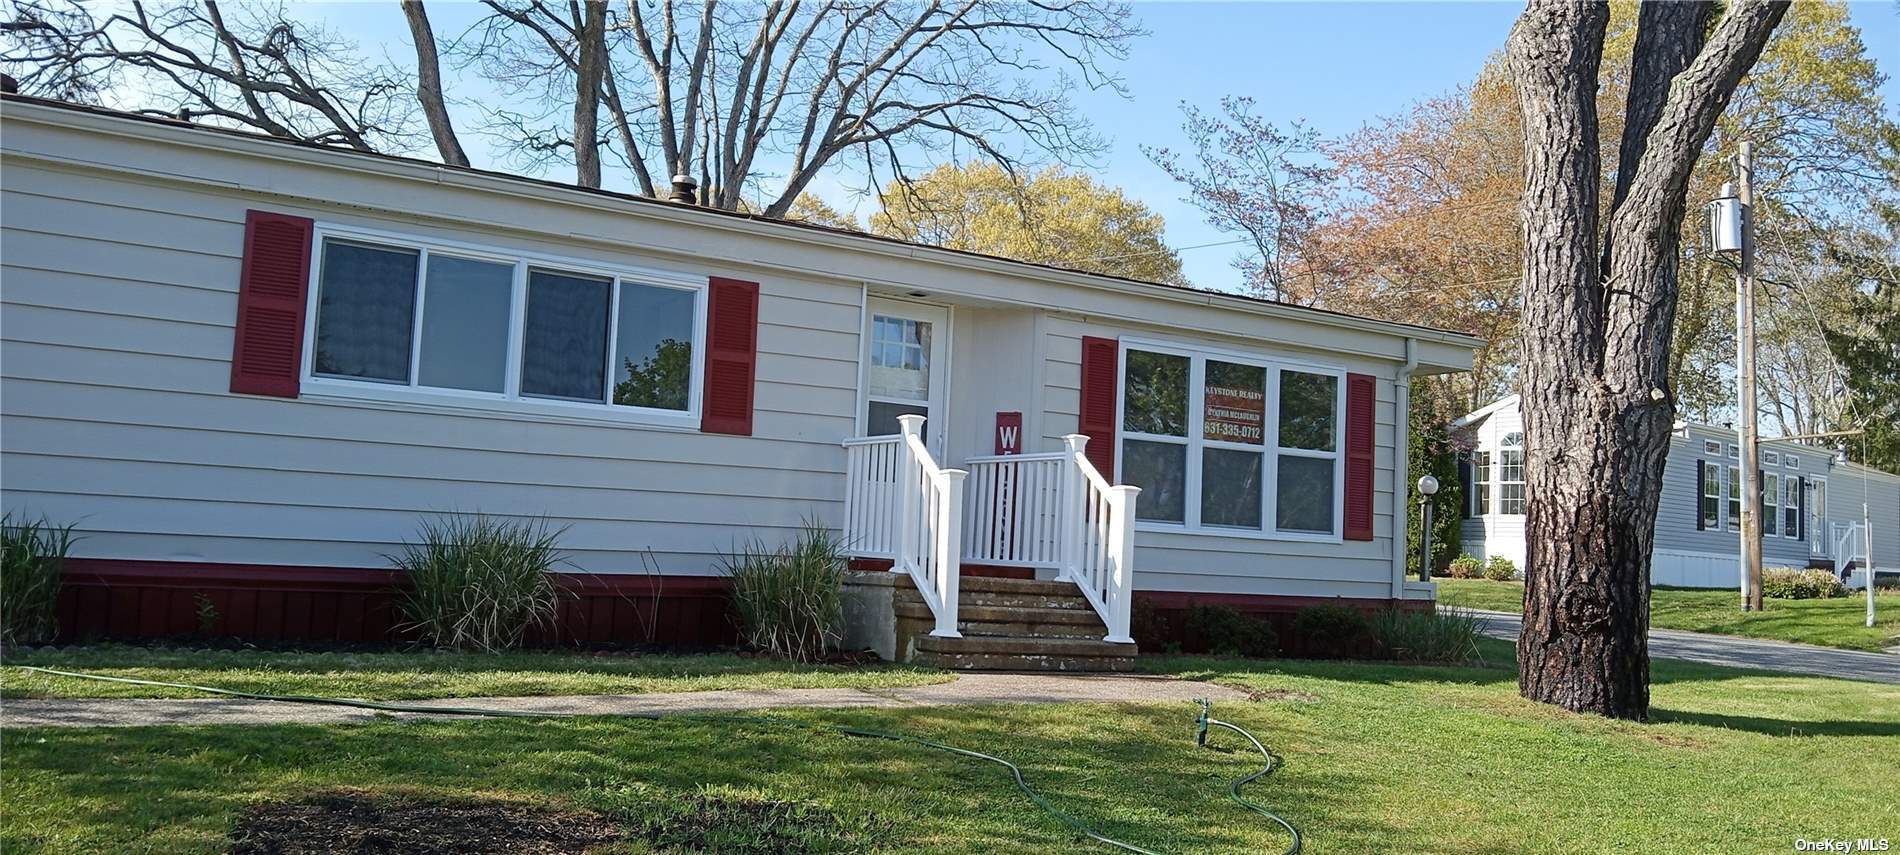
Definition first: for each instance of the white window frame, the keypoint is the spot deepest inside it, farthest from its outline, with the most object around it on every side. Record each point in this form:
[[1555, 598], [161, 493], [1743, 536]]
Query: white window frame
[[1522, 462], [1791, 461], [1270, 446], [1732, 492], [1791, 504], [1770, 458], [510, 401], [1711, 489], [1710, 446]]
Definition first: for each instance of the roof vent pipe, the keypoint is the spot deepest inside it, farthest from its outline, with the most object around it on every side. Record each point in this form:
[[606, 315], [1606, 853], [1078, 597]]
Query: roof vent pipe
[[685, 190]]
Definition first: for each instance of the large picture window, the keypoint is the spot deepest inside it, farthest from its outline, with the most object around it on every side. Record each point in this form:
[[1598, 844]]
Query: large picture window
[[1229, 443], [471, 326]]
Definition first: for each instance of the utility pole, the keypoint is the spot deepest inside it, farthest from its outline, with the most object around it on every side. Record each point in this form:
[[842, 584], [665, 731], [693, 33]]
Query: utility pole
[[1745, 387]]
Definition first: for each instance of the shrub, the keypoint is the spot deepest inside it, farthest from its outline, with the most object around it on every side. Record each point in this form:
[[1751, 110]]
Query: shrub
[[1227, 632], [1448, 635], [478, 583], [791, 599], [1330, 630], [1466, 566], [32, 555], [1500, 569], [1784, 583]]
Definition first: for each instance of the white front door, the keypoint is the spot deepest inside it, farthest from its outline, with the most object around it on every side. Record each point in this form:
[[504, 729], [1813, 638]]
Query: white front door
[[905, 368]]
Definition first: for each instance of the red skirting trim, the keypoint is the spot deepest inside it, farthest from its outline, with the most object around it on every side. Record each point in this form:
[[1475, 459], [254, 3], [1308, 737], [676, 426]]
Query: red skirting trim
[[113, 598]]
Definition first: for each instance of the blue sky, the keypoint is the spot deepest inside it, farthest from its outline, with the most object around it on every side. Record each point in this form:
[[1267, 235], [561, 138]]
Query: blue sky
[[1336, 65]]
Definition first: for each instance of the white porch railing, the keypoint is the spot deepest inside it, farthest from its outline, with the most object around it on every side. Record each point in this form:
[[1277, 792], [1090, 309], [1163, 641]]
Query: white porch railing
[[1055, 510], [1022, 510], [901, 504], [1101, 534], [1850, 545]]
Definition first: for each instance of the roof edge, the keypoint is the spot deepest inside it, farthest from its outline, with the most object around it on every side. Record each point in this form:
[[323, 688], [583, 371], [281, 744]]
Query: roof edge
[[759, 225]]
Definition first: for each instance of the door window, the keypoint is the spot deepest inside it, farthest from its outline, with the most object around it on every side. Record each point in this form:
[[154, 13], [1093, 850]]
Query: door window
[[897, 381]]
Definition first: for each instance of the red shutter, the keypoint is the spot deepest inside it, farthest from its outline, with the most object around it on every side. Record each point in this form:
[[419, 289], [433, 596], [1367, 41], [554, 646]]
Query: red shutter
[[267, 350], [1362, 394], [1097, 420], [732, 345]]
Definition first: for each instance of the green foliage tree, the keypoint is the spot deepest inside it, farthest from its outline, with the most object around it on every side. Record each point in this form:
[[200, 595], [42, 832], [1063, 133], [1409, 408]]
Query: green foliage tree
[[1865, 341], [1052, 217], [1433, 450]]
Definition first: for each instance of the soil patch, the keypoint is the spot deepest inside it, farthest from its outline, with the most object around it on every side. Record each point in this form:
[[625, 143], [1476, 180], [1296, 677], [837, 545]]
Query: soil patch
[[360, 825]]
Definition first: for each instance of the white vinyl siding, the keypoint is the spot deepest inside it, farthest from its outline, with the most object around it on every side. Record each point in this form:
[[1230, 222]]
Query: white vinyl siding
[[120, 303]]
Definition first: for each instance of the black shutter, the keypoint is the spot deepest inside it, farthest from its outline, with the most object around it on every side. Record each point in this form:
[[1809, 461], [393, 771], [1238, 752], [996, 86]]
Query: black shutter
[[1465, 484], [1701, 482], [1801, 498]]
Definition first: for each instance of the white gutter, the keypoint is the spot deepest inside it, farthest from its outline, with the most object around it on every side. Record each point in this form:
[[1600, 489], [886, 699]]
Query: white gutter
[[1401, 458]]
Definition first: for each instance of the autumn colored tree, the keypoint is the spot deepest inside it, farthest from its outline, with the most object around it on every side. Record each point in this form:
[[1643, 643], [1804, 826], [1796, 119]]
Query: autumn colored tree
[[1052, 217]]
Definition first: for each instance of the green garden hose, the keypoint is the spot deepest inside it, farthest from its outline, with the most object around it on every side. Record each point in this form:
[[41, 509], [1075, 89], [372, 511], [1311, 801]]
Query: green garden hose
[[1205, 720]]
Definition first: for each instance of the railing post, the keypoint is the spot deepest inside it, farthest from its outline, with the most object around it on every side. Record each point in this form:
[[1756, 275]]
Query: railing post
[[1121, 534], [949, 551], [1075, 489], [908, 487]]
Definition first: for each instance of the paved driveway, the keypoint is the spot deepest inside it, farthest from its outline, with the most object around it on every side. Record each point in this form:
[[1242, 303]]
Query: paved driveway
[[1740, 652]]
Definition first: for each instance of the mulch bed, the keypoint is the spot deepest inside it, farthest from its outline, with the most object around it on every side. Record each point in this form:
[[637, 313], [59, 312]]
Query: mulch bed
[[353, 823]]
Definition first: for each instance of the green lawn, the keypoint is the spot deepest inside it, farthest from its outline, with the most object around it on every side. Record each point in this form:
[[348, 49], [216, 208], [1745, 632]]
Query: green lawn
[[406, 676], [1839, 622], [1379, 758]]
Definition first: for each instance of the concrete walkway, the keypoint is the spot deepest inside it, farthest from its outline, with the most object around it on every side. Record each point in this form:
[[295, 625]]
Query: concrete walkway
[[975, 688], [1740, 652]]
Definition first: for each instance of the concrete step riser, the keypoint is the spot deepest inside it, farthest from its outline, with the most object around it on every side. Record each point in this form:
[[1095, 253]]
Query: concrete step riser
[[993, 629], [1008, 601], [1020, 662]]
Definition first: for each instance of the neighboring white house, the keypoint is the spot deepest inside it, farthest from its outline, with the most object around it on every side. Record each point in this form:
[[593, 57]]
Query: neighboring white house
[[235, 357], [1811, 504]]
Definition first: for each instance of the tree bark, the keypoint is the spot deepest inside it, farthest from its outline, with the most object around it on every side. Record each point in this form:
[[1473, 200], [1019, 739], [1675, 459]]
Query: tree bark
[[588, 69], [1597, 411], [429, 85]]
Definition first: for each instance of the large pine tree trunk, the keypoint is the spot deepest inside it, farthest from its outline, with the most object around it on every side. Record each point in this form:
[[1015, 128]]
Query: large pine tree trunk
[[1597, 323]]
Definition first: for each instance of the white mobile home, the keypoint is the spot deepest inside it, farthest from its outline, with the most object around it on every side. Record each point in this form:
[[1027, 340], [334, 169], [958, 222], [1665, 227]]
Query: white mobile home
[[1811, 503], [247, 368]]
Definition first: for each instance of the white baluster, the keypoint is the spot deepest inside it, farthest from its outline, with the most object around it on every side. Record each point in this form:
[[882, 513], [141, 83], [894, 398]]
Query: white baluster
[[907, 506], [1122, 536], [949, 547]]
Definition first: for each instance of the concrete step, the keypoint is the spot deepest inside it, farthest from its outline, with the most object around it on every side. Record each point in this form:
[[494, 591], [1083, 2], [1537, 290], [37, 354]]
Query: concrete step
[[1018, 622], [1016, 594], [994, 653]]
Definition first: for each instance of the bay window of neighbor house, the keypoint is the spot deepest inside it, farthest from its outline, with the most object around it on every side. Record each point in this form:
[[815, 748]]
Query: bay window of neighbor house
[[1226, 443], [1511, 474], [483, 327]]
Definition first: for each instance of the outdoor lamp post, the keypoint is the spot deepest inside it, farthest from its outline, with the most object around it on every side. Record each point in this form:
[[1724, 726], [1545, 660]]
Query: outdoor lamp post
[[1427, 488]]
